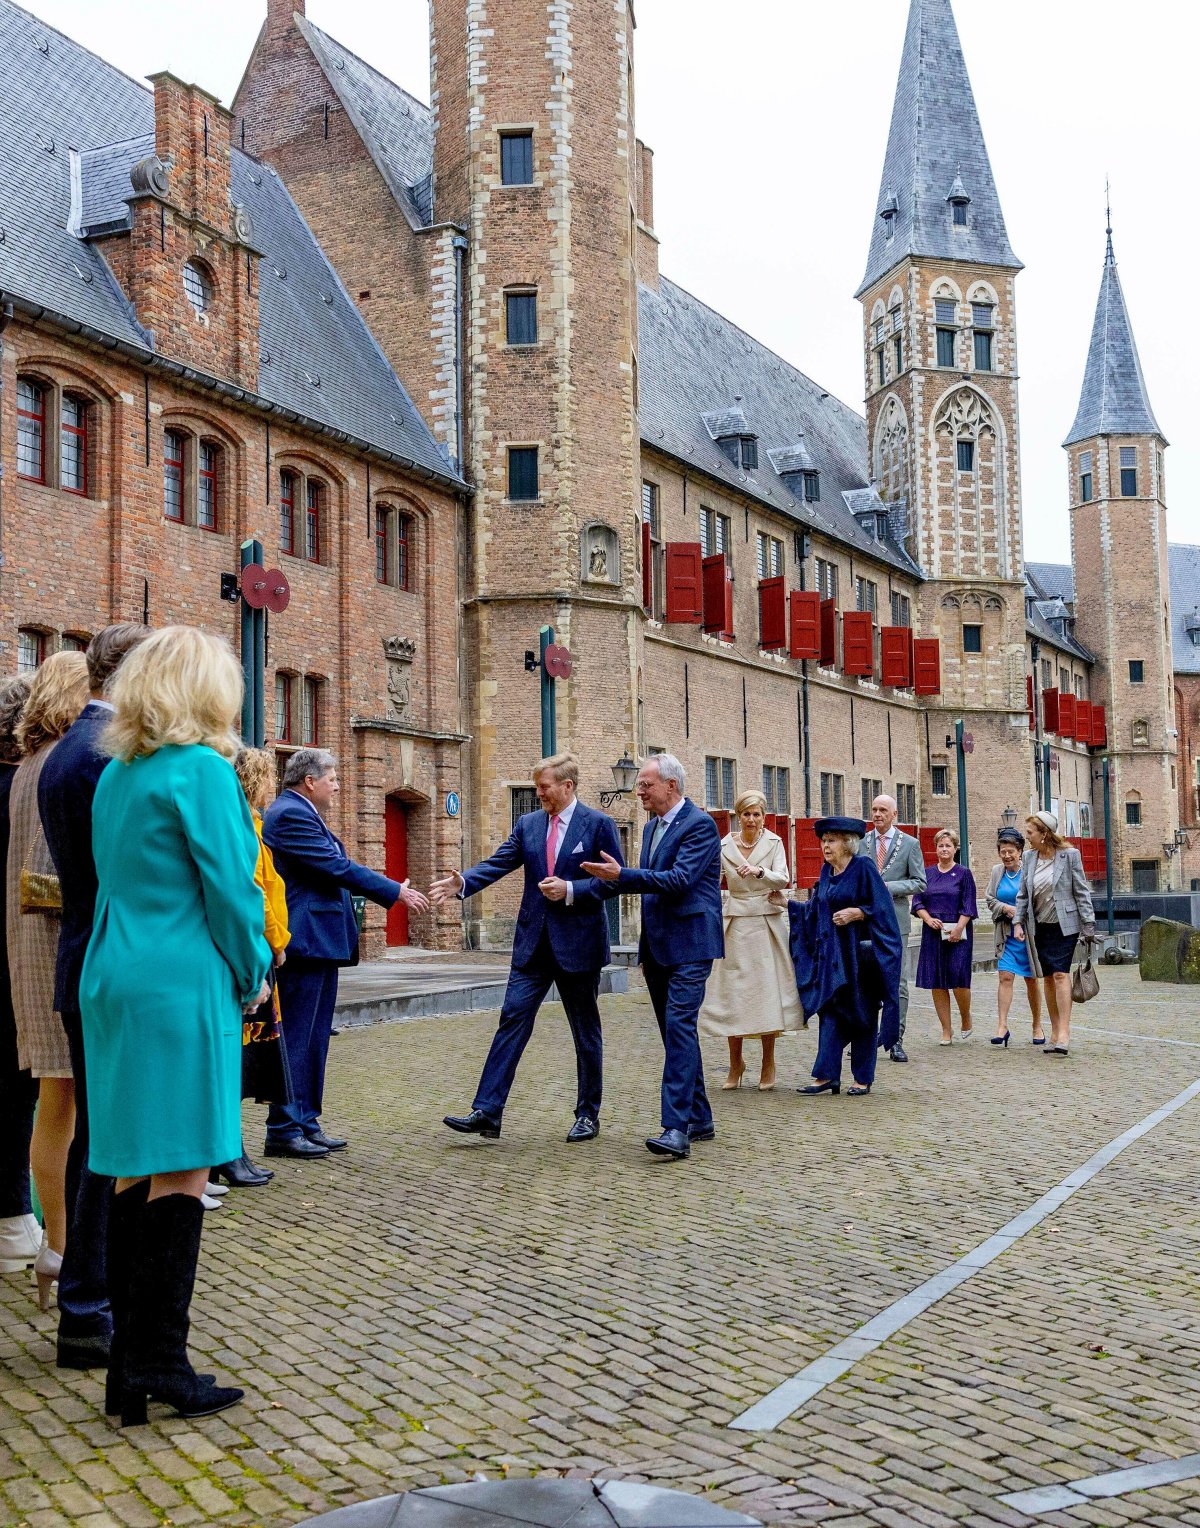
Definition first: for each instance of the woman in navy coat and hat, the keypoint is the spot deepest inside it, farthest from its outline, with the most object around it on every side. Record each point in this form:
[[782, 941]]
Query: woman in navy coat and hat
[[847, 952]]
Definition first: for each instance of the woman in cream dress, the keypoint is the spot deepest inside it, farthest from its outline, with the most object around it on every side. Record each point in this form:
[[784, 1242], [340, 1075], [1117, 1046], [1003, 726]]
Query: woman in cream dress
[[753, 990]]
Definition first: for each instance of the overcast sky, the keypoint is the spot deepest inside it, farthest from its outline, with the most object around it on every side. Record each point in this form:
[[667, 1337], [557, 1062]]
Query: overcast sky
[[769, 118]]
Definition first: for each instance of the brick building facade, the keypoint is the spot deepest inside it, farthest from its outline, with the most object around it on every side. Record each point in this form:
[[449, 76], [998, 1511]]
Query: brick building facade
[[183, 371], [747, 572]]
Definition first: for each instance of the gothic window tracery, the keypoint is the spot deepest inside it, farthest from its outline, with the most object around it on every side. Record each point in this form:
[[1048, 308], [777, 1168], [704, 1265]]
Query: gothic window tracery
[[891, 450]]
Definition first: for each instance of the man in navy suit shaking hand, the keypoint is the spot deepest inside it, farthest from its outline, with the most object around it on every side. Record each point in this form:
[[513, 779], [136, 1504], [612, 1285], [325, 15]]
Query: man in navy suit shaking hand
[[561, 941], [683, 932]]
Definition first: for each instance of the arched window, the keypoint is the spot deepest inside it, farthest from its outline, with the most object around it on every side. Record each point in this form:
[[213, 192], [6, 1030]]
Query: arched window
[[287, 512], [314, 504], [382, 537], [31, 649], [198, 287], [284, 708], [174, 446], [393, 547], [31, 430], [311, 719], [207, 479], [73, 444]]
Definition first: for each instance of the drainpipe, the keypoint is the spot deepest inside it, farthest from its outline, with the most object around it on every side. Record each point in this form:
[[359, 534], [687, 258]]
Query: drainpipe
[[804, 701], [460, 255], [6, 314]]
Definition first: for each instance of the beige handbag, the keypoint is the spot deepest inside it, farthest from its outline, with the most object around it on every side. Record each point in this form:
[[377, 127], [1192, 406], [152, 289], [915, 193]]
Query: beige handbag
[[39, 890], [1085, 984]]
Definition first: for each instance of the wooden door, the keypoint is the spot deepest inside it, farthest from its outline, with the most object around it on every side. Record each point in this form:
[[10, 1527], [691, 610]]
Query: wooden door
[[395, 828]]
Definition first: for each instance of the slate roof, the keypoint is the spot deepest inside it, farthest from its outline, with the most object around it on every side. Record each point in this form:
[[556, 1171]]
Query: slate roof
[[693, 361], [1114, 400], [935, 140], [396, 128], [56, 96], [1183, 568], [1051, 580]]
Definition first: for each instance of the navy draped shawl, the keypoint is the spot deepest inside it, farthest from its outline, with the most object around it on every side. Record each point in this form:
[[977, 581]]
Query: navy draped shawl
[[834, 969]]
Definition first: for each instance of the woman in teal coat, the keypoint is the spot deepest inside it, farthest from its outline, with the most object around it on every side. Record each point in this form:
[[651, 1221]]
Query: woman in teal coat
[[176, 956]]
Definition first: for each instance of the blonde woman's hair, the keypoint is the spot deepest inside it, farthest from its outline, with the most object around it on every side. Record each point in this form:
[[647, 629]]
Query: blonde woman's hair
[[58, 692], [179, 686], [748, 799], [255, 769], [1048, 834], [946, 833]]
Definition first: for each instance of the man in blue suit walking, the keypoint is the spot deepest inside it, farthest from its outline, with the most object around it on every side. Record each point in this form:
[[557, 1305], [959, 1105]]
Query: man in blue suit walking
[[319, 876], [561, 941], [683, 932]]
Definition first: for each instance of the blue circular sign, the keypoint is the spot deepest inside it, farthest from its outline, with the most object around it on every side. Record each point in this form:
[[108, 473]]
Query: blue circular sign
[[453, 804]]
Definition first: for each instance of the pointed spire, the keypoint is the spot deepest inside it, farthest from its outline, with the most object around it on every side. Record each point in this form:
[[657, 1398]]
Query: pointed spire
[[935, 142], [1114, 400]]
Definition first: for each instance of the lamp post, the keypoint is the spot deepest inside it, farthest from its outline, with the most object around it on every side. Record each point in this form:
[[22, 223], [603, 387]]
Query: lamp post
[[1009, 817], [624, 773]]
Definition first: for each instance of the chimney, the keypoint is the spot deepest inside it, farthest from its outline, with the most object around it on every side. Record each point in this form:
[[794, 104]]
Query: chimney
[[279, 15], [647, 239], [192, 138]]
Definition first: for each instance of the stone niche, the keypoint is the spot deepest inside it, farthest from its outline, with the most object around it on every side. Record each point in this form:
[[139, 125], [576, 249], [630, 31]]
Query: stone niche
[[599, 555]]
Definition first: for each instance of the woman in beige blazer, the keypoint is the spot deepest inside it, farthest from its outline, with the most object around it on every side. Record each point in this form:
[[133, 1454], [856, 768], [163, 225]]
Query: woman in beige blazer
[[752, 992]]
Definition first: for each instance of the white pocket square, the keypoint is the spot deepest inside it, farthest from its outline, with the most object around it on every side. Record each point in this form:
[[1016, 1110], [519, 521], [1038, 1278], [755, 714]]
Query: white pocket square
[[578, 849]]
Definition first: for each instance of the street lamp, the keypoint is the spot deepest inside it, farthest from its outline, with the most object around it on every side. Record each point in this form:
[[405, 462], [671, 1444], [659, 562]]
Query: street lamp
[[1009, 816], [624, 773]]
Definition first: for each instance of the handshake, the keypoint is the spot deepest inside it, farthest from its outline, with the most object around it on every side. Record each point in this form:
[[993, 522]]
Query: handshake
[[552, 887]]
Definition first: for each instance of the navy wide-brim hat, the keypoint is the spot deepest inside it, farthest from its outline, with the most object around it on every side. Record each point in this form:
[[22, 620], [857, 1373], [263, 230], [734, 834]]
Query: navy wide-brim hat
[[852, 825]]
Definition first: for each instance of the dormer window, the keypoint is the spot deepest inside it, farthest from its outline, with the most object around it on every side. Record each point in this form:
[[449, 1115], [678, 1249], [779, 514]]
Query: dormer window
[[888, 213], [197, 286], [749, 451], [812, 487], [959, 202]]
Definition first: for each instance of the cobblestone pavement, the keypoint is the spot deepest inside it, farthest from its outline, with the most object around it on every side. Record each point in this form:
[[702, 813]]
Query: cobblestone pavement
[[420, 1307]]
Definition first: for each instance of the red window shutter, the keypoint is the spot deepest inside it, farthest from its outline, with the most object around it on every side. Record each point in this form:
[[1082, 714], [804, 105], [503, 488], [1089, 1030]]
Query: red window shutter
[[828, 653], [783, 826], [858, 643], [1083, 722], [895, 651], [927, 666], [1099, 727], [908, 827], [772, 613], [683, 583], [1029, 706], [717, 574], [1066, 715], [927, 839], [722, 819], [1050, 710], [809, 858], [1101, 859], [647, 567], [806, 624]]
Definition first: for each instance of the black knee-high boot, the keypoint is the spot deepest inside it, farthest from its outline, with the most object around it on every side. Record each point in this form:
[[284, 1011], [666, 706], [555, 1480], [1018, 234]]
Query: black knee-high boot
[[162, 1273], [122, 1216]]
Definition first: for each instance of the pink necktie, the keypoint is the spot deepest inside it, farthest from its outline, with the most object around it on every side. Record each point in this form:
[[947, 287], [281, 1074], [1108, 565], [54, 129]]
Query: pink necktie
[[552, 845], [880, 849]]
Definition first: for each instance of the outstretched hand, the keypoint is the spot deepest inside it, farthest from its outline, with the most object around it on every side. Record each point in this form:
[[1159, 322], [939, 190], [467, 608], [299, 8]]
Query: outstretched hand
[[606, 869], [416, 900], [446, 888]]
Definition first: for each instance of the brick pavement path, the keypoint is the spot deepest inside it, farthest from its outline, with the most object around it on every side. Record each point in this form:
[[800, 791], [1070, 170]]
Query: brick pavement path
[[420, 1308]]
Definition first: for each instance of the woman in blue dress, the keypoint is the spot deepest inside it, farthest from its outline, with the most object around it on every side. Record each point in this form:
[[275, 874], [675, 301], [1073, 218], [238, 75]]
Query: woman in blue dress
[[947, 909], [1012, 955]]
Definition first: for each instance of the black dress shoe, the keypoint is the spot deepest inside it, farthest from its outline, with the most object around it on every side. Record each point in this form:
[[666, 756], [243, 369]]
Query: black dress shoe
[[297, 1146], [83, 1352], [585, 1128], [243, 1174], [671, 1143], [330, 1142], [702, 1132], [475, 1123], [897, 1052]]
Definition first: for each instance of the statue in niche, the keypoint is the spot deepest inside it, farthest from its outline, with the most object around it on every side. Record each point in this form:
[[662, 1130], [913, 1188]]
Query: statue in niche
[[599, 554], [1141, 733], [598, 562], [399, 652]]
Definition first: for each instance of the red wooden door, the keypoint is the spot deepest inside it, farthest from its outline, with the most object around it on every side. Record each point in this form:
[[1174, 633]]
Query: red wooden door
[[395, 854]]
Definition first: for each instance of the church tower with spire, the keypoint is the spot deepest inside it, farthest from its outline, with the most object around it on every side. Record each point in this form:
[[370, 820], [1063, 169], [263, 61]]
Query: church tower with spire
[[1122, 605], [940, 351]]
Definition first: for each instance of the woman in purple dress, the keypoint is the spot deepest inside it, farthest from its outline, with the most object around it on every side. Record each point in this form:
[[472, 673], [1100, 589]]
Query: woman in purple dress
[[947, 909]]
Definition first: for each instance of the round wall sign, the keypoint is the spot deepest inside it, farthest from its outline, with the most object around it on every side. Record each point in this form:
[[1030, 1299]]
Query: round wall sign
[[453, 804]]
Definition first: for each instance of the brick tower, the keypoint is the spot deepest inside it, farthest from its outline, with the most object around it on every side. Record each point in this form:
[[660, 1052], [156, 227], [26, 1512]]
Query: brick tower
[[532, 158], [1122, 608], [940, 350]]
